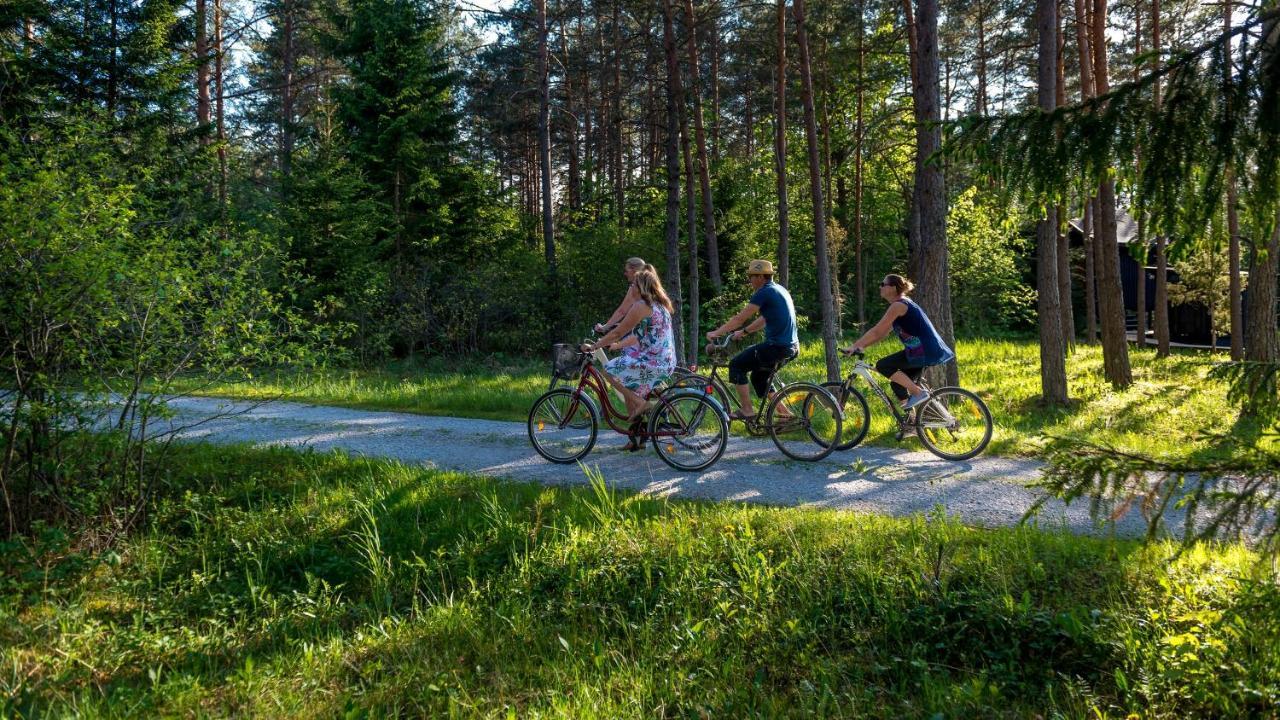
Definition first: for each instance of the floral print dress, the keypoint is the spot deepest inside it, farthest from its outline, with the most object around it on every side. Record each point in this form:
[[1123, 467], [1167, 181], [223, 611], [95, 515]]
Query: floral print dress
[[651, 360]]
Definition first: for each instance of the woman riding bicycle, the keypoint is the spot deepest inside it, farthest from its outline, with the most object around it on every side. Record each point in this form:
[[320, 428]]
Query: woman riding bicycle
[[648, 356], [923, 346], [778, 318], [629, 270]]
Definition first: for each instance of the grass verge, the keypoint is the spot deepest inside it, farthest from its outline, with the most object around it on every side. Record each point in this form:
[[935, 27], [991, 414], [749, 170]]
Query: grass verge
[[274, 583]]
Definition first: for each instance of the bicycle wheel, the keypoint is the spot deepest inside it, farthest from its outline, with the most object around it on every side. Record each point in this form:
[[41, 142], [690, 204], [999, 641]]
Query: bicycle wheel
[[804, 421], [689, 432], [954, 424], [857, 416], [563, 429]]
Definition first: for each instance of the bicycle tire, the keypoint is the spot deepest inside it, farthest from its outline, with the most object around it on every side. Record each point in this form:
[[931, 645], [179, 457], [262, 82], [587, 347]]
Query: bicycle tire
[[940, 403], [546, 419], [807, 398], [705, 436], [857, 414]]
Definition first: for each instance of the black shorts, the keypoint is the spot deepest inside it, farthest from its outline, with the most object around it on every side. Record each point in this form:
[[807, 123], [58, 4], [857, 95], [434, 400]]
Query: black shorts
[[897, 362], [759, 360]]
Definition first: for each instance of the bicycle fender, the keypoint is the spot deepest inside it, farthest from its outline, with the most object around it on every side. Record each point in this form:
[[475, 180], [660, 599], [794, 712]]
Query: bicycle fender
[[685, 392]]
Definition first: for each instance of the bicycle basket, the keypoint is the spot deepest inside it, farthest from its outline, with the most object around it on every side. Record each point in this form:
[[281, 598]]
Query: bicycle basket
[[566, 361]]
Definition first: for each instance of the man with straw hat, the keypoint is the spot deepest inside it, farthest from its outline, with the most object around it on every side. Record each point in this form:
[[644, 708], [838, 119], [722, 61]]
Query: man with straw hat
[[778, 318]]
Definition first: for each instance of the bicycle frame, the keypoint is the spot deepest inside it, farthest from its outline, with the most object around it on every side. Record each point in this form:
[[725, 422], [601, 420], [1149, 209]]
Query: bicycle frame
[[593, 380], [864, 370]]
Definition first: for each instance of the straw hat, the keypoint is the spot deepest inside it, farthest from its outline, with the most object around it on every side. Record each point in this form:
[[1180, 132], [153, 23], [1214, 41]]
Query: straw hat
[[760, 267]]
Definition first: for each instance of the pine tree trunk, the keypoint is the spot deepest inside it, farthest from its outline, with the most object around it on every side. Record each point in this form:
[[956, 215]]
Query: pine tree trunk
[[1140, 297], [1115, 346], [691, 219], [202, 68], [286, 92], [1161, 319], [616, 122], [704, 172], [714, 30], [825, 299], [1264, 346], [929, 195], [220, 78], [544, 163], [575, 181], [1233, 228], [860, 131], [1053, 370], [1068, 323], [671, 230], [780, 150], [1090, 272]]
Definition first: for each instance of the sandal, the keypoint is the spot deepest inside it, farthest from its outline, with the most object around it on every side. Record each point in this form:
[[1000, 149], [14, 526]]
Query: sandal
[[739, 415]]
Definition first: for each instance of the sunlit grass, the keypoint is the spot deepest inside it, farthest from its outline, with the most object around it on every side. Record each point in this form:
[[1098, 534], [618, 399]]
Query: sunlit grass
[[1168, 411], [281, 584]]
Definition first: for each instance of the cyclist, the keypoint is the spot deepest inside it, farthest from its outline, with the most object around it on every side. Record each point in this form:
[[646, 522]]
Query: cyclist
[[922, 345], [648, 354], [778, 318], [629, 270]]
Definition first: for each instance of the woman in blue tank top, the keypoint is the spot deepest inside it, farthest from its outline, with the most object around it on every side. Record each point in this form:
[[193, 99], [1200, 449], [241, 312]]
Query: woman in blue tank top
[[922, 345]]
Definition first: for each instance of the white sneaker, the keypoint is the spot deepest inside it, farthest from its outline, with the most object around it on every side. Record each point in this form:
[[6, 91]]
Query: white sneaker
[[916, 399]]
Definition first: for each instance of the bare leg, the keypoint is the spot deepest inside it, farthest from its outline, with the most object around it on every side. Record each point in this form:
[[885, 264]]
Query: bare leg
[[744, 395], [902, 379]]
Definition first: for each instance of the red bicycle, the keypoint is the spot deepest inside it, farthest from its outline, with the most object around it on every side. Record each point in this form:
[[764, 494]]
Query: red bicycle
[[689, 431]]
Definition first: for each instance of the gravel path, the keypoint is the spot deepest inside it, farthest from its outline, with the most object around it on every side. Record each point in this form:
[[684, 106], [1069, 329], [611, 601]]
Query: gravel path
[[986, 491]]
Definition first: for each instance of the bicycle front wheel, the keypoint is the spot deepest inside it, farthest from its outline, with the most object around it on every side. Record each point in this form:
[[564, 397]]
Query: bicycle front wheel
[[561, 427], [954, 424], [689, 431], [804, 421], [857, 416]]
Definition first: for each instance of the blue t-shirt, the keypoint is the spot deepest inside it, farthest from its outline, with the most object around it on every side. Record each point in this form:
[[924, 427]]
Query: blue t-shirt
[[923, 344], [779, 314]]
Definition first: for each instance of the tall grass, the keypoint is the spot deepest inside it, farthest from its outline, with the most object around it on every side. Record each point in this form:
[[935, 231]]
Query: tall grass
[[276, 584], [1168, 411]]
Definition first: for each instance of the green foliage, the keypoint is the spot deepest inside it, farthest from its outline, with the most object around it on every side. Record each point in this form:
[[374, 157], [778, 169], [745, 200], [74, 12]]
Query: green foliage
[[987, 259], [273, 582], [99, 300]]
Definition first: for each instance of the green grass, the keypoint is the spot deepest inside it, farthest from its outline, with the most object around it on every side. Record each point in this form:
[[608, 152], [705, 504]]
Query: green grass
[[1167, 411], [279, 584]]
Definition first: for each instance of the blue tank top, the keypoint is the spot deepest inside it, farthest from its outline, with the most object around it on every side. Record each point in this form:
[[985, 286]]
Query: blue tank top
[[923, 343]]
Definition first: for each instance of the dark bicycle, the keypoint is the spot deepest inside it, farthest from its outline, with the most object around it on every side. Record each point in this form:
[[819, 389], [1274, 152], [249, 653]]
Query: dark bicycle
[[953, 423], [803, 419], [689, 430]]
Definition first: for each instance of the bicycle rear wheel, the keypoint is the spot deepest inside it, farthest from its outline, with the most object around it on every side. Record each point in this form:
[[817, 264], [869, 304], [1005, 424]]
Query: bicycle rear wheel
[[857, 416], [561, 427], [689, 432], [804, 421], [954, 424]]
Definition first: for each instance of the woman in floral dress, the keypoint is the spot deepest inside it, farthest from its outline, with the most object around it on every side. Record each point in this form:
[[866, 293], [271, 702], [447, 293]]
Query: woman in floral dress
[[650, 359]]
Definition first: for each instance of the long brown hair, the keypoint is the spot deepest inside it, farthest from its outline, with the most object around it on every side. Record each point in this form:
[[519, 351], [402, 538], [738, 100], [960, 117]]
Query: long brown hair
[[651, 290]]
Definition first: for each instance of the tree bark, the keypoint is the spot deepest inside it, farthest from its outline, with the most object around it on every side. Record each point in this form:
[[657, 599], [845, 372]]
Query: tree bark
[[1162, 262], [1140, 297], [544, 163], [1068, 323], [1115, 346], [860, 131], [1090, 272], [780, 150], [220, 77], [616, 122], [1233, 227], [1264, 346], [1053, 369], [825, 299], [286, 92], [704, 172], [202, 68], [671, 229], [714, 31], [929, 196]]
